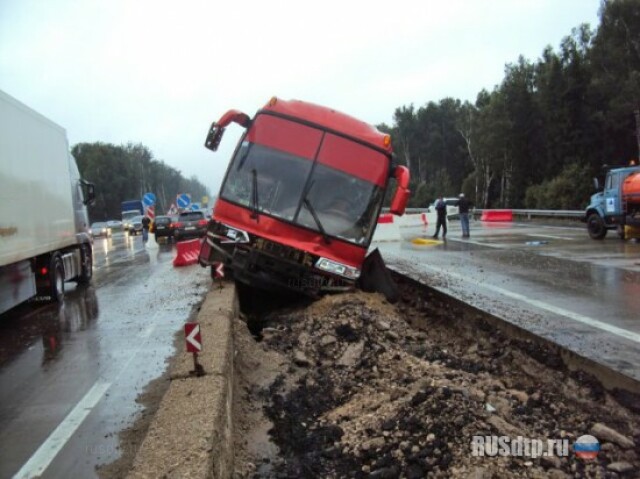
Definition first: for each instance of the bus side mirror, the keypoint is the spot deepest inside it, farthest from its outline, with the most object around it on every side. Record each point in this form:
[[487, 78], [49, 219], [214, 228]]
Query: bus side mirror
[[214, 137], [401, 197], [217, 128]]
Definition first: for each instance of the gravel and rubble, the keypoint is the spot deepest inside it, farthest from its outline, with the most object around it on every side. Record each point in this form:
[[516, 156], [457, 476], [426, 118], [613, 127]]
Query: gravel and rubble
[[356, 387]]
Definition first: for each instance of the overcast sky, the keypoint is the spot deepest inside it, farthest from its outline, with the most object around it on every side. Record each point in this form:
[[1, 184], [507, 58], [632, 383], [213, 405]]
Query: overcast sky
[[158, 73]]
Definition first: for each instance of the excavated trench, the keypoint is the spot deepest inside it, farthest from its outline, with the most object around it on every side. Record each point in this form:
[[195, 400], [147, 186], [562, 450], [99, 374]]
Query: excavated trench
[[352, 386]]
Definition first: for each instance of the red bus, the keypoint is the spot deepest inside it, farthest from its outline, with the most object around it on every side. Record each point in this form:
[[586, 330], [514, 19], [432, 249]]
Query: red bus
[[301, 197]]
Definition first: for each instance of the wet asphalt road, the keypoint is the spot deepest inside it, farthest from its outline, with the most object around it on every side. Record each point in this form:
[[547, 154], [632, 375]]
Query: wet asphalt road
[[69, 375], [580, 293]]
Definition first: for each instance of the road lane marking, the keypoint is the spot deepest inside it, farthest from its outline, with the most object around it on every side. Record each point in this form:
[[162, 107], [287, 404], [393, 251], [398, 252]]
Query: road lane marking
[[550, 236], [148, 331], [571, 228], [477, 243], [49, 449], [609, 328]]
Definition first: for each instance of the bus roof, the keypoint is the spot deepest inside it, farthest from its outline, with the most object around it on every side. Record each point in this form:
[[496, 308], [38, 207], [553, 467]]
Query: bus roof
[[330, 119]]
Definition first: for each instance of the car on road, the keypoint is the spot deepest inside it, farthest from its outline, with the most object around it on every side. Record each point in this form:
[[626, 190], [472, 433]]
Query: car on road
[[206, 212], [190, 224], [114, 225], [100, 228], [163, 227], [135, 225]]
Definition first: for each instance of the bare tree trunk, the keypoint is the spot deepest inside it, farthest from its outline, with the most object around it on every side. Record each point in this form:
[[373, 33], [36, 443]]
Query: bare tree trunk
[[508, 174], [474, 161], [488, 179], [405, 153]]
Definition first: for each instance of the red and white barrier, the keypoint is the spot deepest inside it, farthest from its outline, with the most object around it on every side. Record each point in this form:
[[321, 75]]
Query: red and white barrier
[[388, 228], [497, 215], [187, 252], [413, 225], [397, 228]]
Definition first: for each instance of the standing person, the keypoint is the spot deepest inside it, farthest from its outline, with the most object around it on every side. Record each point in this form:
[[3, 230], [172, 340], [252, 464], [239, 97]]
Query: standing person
[[441, 209], [463, 205], [145, 228]]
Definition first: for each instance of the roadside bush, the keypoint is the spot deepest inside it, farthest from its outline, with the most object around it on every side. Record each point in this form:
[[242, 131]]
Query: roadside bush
[[570, 190]]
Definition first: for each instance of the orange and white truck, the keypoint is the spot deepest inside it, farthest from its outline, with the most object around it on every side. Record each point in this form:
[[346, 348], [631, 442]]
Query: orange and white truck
[[617, 205]]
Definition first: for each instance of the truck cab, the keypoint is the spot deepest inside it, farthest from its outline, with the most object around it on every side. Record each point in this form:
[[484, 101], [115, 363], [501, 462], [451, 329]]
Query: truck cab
[[608, 209], [129, 210]]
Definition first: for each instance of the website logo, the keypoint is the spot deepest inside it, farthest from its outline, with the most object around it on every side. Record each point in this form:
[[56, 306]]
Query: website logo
[[586, 447], [492, 446]]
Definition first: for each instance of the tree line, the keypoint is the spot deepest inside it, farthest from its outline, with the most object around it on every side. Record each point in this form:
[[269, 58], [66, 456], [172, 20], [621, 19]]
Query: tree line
[[539, 137], [127, 172]]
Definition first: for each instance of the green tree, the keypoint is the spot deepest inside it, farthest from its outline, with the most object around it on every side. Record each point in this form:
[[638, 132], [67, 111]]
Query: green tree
[[570, 190], [126, 172]]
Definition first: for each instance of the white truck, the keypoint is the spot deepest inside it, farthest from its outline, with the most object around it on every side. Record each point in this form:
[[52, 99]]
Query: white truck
[[44, 229]]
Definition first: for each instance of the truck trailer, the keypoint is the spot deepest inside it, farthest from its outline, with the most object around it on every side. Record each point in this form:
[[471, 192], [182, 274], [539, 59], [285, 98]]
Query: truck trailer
[[44, 228], [301, 198], [616, 206]]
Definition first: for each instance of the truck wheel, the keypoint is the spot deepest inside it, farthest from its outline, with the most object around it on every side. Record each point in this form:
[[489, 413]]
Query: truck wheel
[[596, 227], [87, 265], [56, 279]]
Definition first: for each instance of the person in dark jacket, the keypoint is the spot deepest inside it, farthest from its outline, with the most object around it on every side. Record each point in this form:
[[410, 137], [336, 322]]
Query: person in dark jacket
[[146, 221], [441, 209], [463, 206]]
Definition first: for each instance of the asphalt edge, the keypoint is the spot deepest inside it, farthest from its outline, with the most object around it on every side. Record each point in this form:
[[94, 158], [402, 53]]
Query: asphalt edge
[[610, 379], [191, 434]]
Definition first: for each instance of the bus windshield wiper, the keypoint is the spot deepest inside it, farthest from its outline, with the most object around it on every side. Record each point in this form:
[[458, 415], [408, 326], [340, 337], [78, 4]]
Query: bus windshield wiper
[[307, 203], [254, 196]]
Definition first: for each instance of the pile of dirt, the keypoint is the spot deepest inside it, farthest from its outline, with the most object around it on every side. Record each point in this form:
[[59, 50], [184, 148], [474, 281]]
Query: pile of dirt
[[369, 389]]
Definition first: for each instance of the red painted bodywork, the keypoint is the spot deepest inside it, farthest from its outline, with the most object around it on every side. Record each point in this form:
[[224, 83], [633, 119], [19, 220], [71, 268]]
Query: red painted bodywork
[[330, 119], [285, 233], [309, 131], [631, 188], [284, 135]]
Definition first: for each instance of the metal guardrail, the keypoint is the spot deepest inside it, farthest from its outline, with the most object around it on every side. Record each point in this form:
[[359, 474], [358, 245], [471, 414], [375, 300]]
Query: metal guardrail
[[574, 214], [546, 213]]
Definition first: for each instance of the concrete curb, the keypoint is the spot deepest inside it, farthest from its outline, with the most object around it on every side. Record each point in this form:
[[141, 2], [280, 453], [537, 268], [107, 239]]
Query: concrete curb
[[191, 435]]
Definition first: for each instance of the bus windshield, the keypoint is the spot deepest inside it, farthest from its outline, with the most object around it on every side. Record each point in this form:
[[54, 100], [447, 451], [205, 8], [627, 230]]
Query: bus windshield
[[295, 189]]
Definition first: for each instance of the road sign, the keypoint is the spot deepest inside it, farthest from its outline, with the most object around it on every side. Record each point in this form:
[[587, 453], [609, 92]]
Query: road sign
[[149, 199], [219, 270], [193, 338], [195, 206], [151, 212], [184, 200], [205, 200]]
